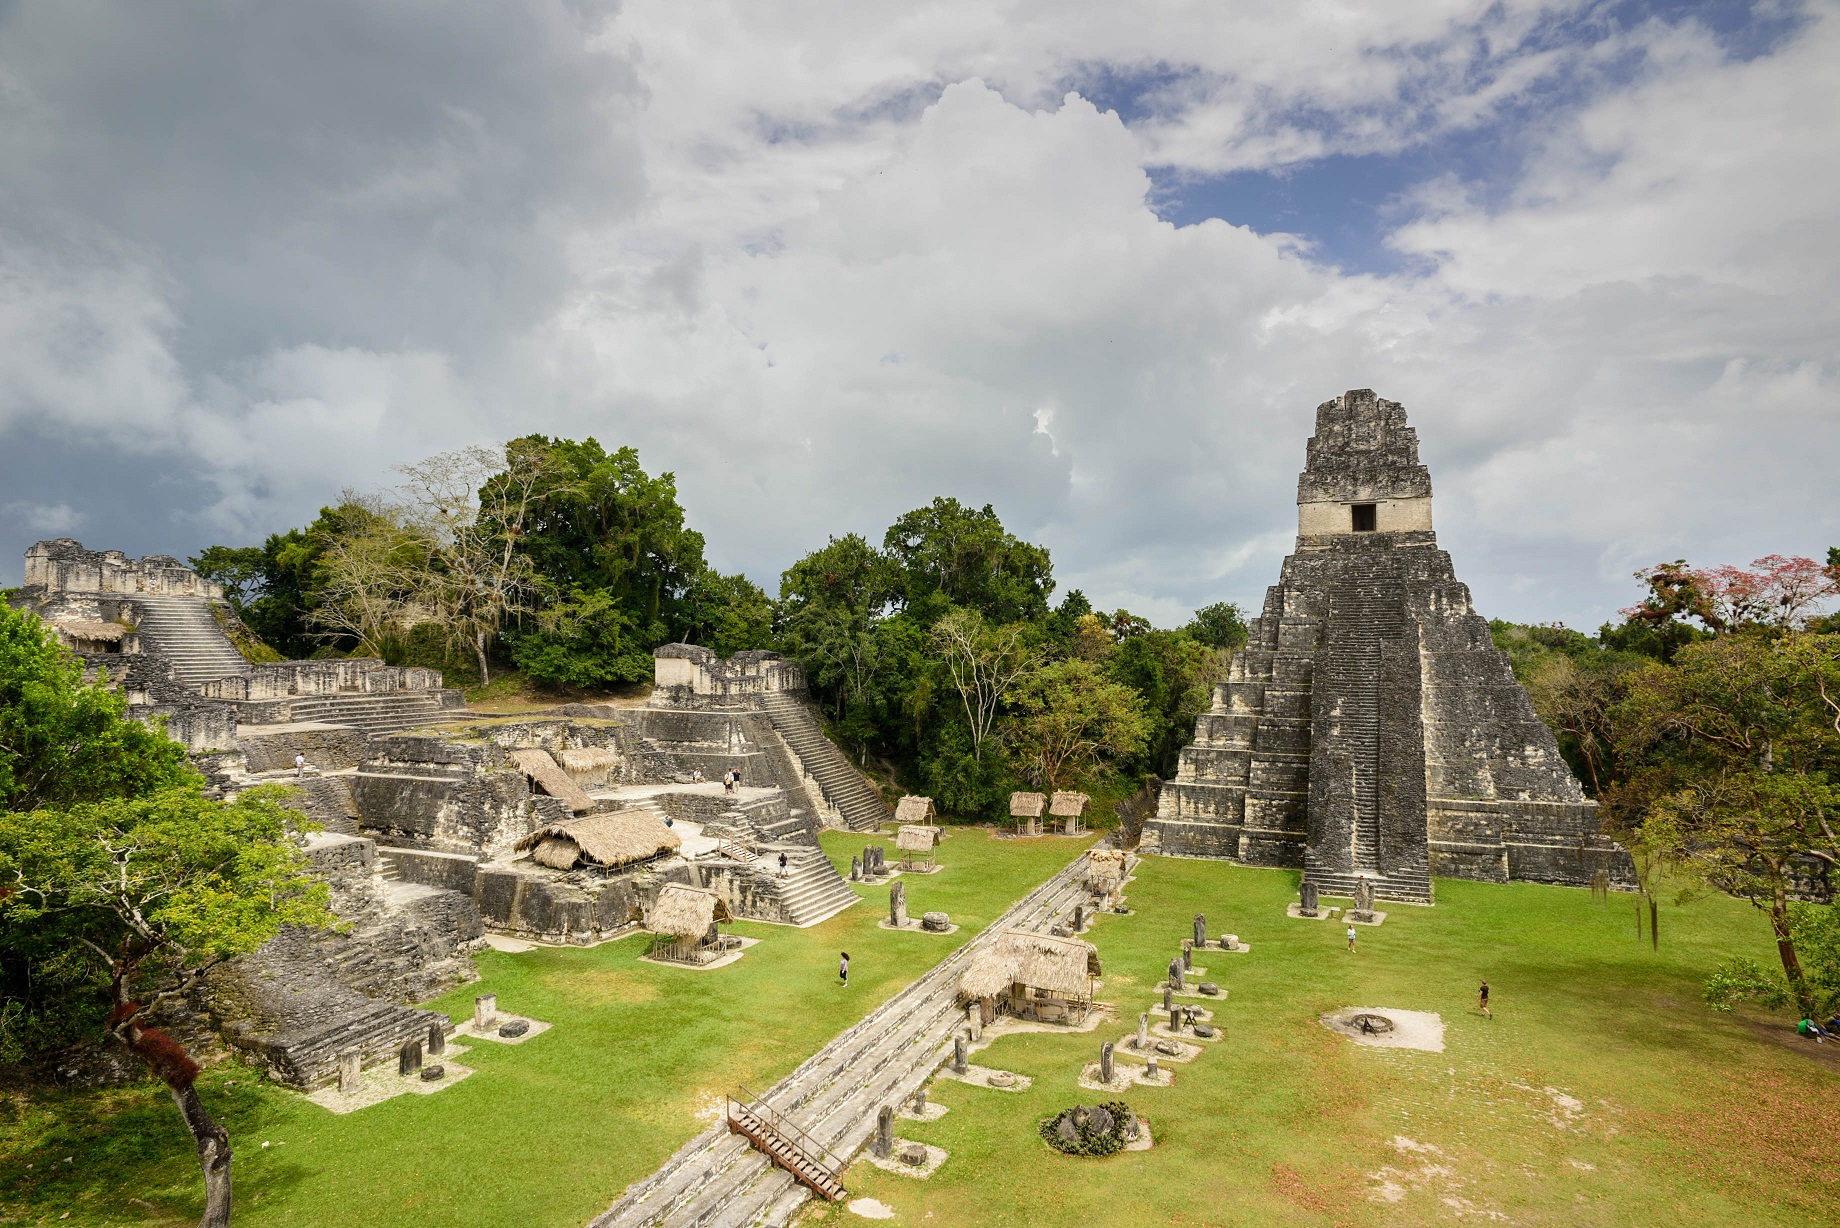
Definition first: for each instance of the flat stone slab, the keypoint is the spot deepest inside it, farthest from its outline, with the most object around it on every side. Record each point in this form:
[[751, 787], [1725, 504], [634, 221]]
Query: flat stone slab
[[1194, 993], [932, 1112], [914, 927], [381, 1082], [1125, 1076], [1186, 1051], [537, 1028], [711, 966], [979, 1076], [1411, 1029], [1296, 910], [935, 1156], [1160, 1031], [1378, 918]]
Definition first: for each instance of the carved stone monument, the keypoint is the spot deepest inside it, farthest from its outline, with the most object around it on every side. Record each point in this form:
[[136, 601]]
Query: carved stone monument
[[1201, 931], [1143, 1032], [897, 905], [437, 1040], [1176, 983], [974, 1022], [1188, 955], [409, 1057], [349, 1071], [884, 1131], [856, 870], [1370, 725], [1105, 1062], [1307, 899], [961, 1054], [485, 1010], [1150, 1068], [1363, 899]]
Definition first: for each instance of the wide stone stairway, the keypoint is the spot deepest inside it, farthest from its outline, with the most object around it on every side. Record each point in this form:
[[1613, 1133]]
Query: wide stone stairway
[[185, 631], [844, 787], [384, 712], [812, 890], [718, 1180]]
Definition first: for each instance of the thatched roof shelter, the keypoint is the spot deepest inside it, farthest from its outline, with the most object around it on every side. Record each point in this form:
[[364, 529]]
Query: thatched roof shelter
[[1105, 863], [92, 631], [1063, 966], [1068, 805], [1026, 805], [911, 839], [547, 776], [611, 840], [913, 809], [686, 912]]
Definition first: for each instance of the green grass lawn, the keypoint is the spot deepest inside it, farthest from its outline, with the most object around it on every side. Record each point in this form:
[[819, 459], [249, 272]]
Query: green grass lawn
[[1682, 1116], [546, 1133]]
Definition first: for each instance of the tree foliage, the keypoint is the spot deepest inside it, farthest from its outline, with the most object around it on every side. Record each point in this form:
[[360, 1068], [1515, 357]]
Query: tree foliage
[[1069, 718], [64, 743]]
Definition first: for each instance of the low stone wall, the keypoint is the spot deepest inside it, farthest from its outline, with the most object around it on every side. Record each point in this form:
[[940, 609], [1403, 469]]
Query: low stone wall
[[327, 747], [527, 901]]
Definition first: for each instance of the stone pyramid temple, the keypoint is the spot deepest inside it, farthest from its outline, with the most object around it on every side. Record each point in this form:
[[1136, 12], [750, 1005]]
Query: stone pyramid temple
[[1370, 727]]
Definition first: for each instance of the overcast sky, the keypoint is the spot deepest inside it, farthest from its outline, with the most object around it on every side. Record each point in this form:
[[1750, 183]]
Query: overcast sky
[[1092, 263]]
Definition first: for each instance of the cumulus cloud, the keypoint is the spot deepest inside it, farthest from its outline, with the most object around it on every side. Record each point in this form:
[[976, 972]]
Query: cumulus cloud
[[825, 266]]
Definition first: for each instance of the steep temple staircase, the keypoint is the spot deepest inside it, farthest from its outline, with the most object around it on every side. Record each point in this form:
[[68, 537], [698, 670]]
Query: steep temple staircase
[[184, 630], [844, 787]]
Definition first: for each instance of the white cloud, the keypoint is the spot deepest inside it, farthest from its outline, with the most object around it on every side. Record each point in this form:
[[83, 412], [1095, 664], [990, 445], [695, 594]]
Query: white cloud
[[825, 267]]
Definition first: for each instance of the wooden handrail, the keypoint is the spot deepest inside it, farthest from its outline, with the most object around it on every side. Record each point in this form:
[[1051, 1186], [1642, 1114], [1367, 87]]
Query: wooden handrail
[[782, 1125]]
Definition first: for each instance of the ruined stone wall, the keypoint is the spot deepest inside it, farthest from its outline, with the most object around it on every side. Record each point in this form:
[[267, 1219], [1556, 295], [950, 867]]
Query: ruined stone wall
[[423, 791], [64, 566]]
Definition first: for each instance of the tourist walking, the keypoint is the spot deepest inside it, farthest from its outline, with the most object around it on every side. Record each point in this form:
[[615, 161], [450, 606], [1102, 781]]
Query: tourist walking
[[300, 765], [1351, 937], [782, 865], [1482, 1000], [843, 970]]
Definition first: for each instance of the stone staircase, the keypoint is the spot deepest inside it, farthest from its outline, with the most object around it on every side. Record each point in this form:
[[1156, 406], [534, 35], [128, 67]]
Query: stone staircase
[[185, 631], [812, 890], [843, 785], [719, 1179], [384, 712]]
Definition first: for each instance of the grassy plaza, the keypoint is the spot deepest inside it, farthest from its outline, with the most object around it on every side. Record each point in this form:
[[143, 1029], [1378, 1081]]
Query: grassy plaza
[[1602, 1092]]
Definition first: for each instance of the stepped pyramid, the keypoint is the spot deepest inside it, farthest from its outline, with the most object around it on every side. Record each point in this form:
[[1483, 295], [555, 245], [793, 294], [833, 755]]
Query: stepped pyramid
[[1370, 727]]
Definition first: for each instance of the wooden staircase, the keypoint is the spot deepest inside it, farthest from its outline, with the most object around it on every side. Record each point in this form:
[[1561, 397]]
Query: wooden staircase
[[789, 1147]]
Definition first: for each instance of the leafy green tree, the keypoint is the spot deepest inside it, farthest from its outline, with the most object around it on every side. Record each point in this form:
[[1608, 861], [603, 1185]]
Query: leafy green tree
[[1174, 675], [63, 743], [1731, 754], [727, 614], [275, 587], [1221, 625], [967, 558], [149, 894], [1068, 718]]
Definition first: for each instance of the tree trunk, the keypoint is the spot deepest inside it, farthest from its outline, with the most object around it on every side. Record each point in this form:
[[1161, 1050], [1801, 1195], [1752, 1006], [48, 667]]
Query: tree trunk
[[213, 1157], [1785, 948], [1654, 922], [479, 650]]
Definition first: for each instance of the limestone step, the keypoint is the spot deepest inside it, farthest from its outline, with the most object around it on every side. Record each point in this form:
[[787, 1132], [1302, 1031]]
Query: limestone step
[[186, 631]]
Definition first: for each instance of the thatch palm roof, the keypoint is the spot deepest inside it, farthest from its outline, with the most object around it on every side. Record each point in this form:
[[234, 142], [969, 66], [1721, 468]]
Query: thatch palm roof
[[91, 630], [911, 839], [1105, 864], [612, 840], [914, 810], [1026, 805], [550, 778], [1038, 961], [686, 912], [1068, 805]]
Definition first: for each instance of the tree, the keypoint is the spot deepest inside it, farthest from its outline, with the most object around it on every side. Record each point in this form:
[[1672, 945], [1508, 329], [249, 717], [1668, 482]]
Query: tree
[[1174, 675], [1220, 625], [1731, 755], [275, 587], [472, 507], [830, 605], [1776, 591], [984, 662], [947, 551], [63, 743], [727, 614], [1068, 718], [157, 891], [370, 582]]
